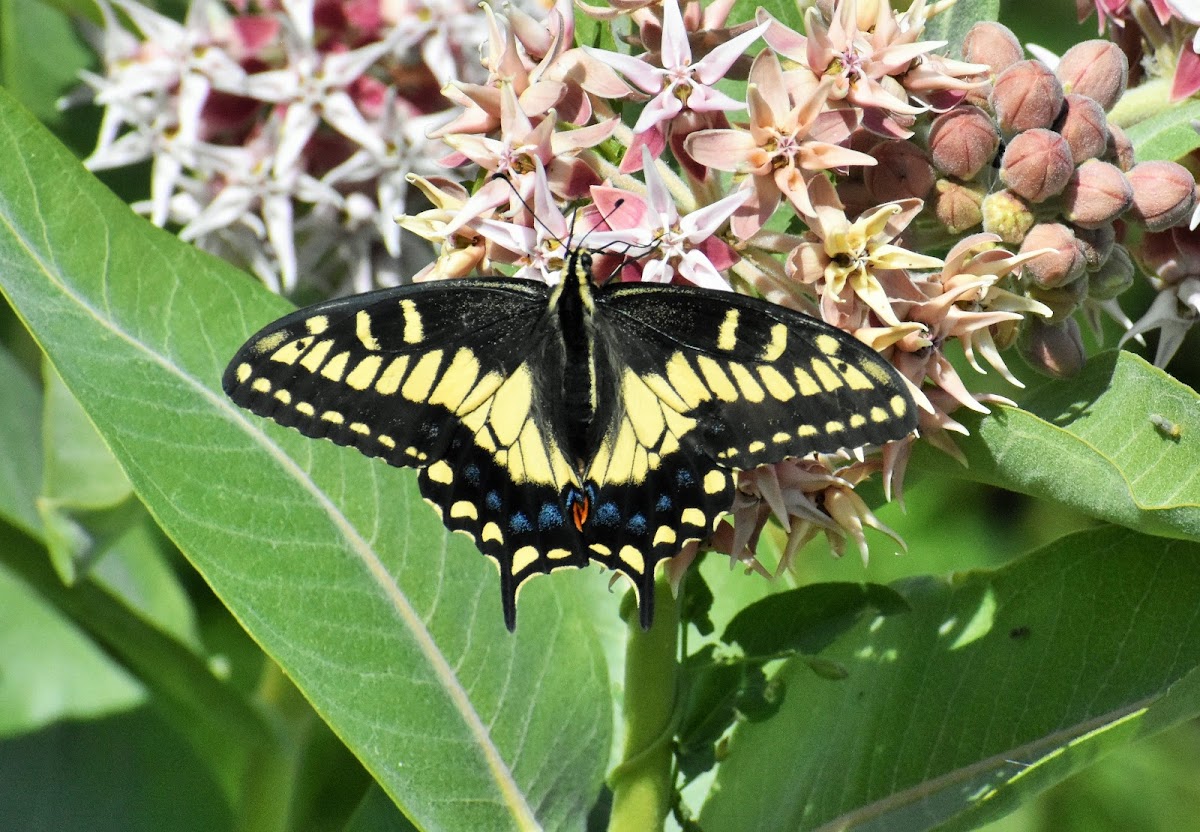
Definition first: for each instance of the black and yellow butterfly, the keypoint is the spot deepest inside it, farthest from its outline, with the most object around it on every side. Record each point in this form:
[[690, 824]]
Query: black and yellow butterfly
[[558, 426]]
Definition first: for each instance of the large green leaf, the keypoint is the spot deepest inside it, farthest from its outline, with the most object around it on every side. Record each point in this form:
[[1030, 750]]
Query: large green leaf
[[1094, 444], [995, 685], [953, 24], [391, 628], [20, 447]]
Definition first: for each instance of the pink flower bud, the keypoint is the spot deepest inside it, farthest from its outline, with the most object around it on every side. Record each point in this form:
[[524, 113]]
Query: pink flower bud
[[1097, 69], [1064, 261], [1025, 96], [1006, 216], [1097, 194], [1114, 277], [1054, 350], [957, 205], [993, 44], [902, 171], [1085, 127], [1120, 149], [962, 141], [1037, 164], [1095, 243], [1172, 255], [1164, 194]]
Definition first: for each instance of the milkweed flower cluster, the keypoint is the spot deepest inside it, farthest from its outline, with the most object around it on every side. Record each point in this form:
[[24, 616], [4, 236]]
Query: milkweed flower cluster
[[863, 147]]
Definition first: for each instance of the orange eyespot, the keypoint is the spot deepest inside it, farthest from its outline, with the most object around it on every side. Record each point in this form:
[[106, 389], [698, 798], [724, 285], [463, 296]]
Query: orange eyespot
[[579, 512]]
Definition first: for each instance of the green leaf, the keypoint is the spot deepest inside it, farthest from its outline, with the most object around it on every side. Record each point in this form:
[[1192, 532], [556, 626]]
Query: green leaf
[[1091, 444], [953, 24], [996, 685], [1168, 135], [20, 447], [390, 628]]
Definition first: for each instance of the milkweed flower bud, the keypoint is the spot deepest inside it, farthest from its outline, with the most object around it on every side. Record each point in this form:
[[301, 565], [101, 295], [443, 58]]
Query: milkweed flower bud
[[903, 171], [1025, 96], [993, 44], [1164, 194], [1037, 164], [1114, 277], [1053, 349], [1120, 149], [1063, 263], [1006, 216], [1064, 300], [1097, 194], [962, 141], [1097, 69], [1083, 124], [1095, 243], [958, 205]]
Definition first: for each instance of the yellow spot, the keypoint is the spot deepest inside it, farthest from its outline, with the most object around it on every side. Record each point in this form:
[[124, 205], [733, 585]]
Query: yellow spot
[[828, 378], [482, 391], [305, 408], [834, 426], [878, 414], [243, 373], [663, 389], [758, 447], [523, 557], [269, 342], [364, 372], [261, 385], [899, 406], [412, 451], [665, 536], [727, 333], [386, 441], [714, 482], [751, 391], [314, 358], [420, 381], [288, 353], [685, 381], [283, 396], [510, 406], [317, 324], [643, 408], [633, 558], [414, 332], [336, 368], [877, 372], [807, 384], [333, 416], [857, 420], [806, 430], [692, 517], [533, 455], [624, 467], [362, 328], [457, 381], [492, 532], [359, 427], [558, 554], [853, 375], [389, 382], [776, 384], [778, 343], [600, 549], [729, 452], [440, 472], [828, 344], [716, 379]]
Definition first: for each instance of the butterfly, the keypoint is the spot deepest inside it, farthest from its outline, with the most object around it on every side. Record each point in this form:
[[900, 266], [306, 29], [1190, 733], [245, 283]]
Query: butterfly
[[563, 425]]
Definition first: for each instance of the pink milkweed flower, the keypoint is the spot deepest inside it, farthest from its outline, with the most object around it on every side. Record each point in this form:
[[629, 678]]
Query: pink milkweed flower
[[1186, 80], [792, 137], [680, 82]]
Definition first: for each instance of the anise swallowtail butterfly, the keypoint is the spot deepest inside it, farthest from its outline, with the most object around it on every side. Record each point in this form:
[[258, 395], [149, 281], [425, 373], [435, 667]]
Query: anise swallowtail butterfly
[[581, 422]]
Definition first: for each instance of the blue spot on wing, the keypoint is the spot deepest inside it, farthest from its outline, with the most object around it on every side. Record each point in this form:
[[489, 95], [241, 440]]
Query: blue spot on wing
[[520, 523], [683, 477], [549, 516], [492, 500], [471, 473], [607, 514], [636, 525], [663, 504]]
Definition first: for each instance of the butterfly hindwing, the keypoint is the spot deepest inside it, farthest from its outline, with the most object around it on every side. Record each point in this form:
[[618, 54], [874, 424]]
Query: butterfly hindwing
[[761, 382]]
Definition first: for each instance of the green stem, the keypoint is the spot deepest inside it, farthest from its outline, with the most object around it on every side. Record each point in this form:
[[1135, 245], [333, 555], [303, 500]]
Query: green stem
[[643, 782], [1141, 102]]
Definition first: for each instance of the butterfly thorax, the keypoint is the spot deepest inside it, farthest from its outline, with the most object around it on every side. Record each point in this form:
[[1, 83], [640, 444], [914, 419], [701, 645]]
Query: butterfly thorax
[[572, 301]]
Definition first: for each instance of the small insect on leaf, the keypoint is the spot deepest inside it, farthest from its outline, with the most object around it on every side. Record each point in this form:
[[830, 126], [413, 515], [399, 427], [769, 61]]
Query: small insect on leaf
[[1166, 427]]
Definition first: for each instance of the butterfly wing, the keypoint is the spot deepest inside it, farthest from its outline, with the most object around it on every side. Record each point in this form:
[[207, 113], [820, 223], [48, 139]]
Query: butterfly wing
[[704, 383], [445, 377]]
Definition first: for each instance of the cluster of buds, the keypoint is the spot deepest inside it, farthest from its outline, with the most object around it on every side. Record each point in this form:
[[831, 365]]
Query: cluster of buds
[[1157, 36], [281, 137]]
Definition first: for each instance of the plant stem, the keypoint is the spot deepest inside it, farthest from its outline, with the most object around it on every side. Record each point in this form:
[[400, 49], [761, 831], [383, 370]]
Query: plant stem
[[643, 782]]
